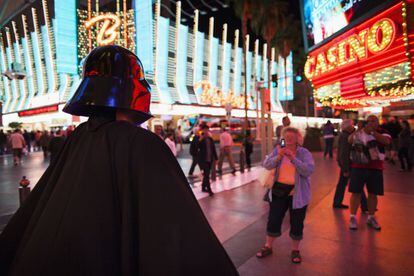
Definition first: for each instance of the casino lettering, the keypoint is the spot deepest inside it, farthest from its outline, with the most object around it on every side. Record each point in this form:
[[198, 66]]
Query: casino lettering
[[357, 47]]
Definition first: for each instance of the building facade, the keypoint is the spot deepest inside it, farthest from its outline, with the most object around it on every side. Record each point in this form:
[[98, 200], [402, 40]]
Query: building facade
[[188, 70]]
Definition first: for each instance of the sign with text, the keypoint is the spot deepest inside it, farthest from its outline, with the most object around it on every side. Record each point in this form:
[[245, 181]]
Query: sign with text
[[40, 110]]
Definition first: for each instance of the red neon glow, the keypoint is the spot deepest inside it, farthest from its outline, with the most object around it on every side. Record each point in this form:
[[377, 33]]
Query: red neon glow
[[40, 110]]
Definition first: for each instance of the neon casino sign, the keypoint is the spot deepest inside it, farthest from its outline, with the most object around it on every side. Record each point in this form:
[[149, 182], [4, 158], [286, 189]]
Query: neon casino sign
[[357, 47], [108, 32]]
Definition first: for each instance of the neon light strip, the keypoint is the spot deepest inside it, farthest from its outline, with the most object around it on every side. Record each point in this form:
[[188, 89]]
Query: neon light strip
[[38, 53], [235, 86], [198, 72], [181, 56], [19, 59], [162, 60], [28, 52], [3, 64], [48, 44], [10, 58], [273, 70]]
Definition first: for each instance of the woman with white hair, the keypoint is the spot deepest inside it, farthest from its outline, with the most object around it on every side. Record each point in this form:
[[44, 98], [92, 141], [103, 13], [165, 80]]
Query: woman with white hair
[[291, 190]]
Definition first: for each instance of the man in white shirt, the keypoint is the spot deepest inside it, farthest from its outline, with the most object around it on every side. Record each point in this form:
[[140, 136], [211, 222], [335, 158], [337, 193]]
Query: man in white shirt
[[17, 143], [226, 143]]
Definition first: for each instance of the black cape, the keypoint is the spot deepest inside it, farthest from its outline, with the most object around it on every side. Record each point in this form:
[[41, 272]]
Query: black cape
[[115, 202]]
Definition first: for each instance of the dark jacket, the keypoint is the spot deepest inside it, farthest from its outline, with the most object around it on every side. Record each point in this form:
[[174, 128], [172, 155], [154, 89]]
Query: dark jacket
[[404, 140], [344, 151], [115, 202], [194, 145], [202, 150]]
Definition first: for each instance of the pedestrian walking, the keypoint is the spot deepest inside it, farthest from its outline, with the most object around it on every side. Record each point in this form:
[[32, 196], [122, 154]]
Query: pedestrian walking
[[207, 156], [171, 144], [285, 123], [367, 163], [226, 144], [344, 162], [56, 144], [38, 135], [195, 139], [3, 142], [179, 137], [394, 128], [17, 143], [116, 201], [291, 191], [44, 143], [28, 140], [248, 149], [328, 136], [404, 144]]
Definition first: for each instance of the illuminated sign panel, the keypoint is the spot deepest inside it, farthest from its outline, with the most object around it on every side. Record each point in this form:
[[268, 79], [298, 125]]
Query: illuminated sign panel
[[40, 110], [371, 60], [324, 18]]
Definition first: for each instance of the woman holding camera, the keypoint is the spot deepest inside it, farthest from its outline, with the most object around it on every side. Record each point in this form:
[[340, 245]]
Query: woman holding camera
[[291, 191]]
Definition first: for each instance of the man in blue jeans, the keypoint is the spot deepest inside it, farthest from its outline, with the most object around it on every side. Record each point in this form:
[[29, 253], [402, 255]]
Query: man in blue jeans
[[373, 140]]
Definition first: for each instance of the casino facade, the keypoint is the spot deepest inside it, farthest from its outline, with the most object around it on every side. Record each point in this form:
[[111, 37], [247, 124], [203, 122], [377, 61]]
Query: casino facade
[[365, 59], [189, 71]]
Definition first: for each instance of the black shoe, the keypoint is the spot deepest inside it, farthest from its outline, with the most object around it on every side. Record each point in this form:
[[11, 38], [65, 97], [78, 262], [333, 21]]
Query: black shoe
[[210, 193], [204, 190], [233, 172], [219, 171], [341, 206]]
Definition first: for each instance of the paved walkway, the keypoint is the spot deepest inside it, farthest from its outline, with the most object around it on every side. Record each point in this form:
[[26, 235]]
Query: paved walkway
[[238, 216]]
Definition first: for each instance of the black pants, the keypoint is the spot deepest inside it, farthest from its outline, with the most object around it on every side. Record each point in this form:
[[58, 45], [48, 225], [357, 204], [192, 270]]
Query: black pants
[[329, 147], [248, 159], [194, 164], [403, 155], [206, 167], [340, 191], [278, 208]]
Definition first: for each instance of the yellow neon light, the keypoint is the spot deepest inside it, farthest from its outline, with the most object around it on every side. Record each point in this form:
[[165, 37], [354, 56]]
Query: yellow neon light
[[109, 30]]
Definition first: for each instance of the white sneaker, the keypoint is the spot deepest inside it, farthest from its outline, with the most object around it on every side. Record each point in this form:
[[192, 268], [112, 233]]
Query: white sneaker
[[373, 223], [353, 224]]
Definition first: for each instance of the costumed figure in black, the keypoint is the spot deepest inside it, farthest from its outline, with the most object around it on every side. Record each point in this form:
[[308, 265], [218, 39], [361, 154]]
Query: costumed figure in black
[[115, 201]]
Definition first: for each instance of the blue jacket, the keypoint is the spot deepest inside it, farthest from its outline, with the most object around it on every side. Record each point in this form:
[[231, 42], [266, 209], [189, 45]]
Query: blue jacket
[[304, 168]]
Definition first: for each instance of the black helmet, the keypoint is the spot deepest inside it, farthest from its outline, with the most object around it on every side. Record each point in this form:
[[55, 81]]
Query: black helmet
[[113, 78]]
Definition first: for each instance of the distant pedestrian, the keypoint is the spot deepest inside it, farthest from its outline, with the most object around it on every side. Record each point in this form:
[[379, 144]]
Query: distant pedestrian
[[248, 149], [344, 162], [207, 156], [44, 143], [394, 128], [17, 143], [367, 163], [3, 141], [171, 144], [285, 123], [291, 191], [195, 139], [28, 140], [179, 137], [328, 135], [38, 135], [56, 144], [404, 142], [226, 144], [158, 129]]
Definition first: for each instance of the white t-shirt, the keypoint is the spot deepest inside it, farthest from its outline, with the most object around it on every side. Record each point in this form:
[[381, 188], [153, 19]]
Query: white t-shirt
[[171, 145]]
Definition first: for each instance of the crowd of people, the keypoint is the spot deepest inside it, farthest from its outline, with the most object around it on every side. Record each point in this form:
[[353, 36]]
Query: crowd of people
[[203, 151], [362, 152], [21, 142]]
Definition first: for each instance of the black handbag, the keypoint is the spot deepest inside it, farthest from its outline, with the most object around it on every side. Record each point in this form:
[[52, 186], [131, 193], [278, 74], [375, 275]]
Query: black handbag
[[282, 190]]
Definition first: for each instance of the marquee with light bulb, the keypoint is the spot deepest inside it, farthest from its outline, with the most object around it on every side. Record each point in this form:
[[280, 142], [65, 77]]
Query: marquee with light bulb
[[373, 60]]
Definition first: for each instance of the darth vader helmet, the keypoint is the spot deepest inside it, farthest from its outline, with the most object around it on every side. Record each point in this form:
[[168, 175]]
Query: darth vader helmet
[[113, 79]]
